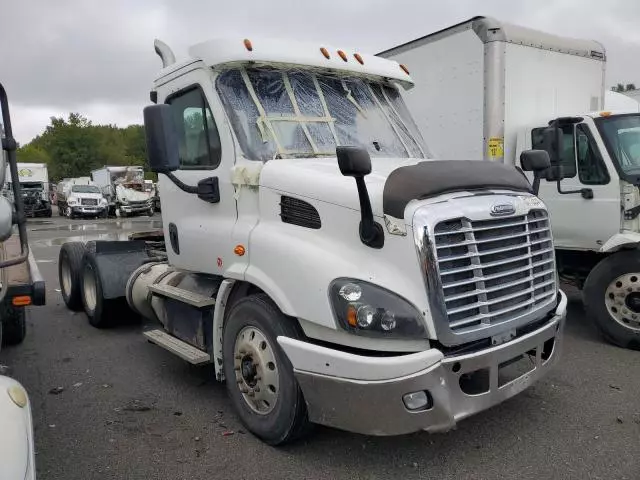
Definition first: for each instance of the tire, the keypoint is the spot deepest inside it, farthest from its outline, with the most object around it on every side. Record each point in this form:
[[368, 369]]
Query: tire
[[611, 297], [49, 213], [150, 212], [101, 312], [60, 211], [14, 325], [285, 419], [68, 212], [70, 274]]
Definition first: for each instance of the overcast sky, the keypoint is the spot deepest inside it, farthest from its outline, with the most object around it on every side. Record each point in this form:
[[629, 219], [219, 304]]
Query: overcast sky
[[97, 58]]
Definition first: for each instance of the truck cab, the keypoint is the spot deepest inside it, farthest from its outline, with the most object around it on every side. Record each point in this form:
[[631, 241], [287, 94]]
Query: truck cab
[[592, 194], [316, 256]]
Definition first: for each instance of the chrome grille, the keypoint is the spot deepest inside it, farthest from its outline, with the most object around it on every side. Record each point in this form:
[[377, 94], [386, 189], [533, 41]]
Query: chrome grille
[[494, 270], [88, 201]]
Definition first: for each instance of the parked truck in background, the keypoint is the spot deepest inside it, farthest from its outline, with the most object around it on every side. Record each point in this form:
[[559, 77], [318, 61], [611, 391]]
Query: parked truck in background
[[490, 90], [20, 285], [397, 302], [80, 197], [34, 185], [124, 190]]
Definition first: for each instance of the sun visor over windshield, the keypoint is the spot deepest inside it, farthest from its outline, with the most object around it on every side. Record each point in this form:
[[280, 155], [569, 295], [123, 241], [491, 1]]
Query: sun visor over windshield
[[428, 179]]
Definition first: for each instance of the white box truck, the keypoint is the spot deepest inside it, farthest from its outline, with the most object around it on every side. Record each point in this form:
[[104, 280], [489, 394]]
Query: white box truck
[[124, 189], [80, 197], [34, 184], [490, 90], [406, 300]]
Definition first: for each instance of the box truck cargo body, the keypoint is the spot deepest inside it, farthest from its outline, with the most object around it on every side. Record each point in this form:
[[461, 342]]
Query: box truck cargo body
[[478, 83], [490, 91]]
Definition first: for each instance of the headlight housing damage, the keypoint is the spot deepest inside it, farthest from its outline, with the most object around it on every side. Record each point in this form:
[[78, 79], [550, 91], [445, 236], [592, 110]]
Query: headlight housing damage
[[366, 309]]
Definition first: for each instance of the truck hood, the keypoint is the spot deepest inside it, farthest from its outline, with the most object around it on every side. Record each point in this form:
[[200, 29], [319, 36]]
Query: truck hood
[[131, 195], [320, 179], [97, 196]]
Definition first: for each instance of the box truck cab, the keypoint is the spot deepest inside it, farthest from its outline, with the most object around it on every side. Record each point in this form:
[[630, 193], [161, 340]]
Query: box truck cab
[[490, 90], [311, 253], [34, 184]]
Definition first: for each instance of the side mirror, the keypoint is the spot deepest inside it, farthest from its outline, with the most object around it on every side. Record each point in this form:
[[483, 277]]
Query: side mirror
[[554, 174], [355, 162], [536, 161], [552, 142], [162, 139]]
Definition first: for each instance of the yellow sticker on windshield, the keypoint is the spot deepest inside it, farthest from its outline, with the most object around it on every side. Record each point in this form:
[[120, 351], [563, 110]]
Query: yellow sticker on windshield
[[496, 148]]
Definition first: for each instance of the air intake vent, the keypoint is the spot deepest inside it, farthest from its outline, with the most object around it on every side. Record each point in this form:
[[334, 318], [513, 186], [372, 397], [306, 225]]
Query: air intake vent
[[298, 212]]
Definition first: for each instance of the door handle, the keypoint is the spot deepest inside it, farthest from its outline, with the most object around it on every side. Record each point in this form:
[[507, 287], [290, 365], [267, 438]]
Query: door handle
[[209, 190]]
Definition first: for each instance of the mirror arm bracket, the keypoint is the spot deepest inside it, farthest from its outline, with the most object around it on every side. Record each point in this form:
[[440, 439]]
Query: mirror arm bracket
[[587, 193]]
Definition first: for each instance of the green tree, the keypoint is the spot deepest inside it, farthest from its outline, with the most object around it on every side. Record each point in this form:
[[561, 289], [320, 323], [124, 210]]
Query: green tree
[[31, 153]]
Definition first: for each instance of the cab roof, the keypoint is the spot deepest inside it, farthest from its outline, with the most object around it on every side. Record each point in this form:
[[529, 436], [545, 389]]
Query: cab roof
[[224, 51]]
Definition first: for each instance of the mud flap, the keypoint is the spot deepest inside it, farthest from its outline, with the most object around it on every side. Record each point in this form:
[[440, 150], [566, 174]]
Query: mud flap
[[116, 262]]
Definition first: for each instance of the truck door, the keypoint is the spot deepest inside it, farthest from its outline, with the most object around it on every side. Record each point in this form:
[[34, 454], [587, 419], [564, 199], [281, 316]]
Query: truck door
[[197, 229], [579, 222]]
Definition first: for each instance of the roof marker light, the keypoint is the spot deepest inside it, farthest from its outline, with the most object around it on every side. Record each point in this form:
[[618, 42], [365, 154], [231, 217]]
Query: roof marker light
[[404, 69], [325, 52], [343, 55], [358, 57], [247, 44], [605, 114]]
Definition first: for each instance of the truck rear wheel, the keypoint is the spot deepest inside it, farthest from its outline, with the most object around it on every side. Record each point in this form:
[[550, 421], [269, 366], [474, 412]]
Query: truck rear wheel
[[100, 311], [70, 274], [260, 378], [14, 325], [611, 297]]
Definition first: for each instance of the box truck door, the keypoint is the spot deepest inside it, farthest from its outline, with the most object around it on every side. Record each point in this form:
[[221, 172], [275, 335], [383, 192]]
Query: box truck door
[[579, 222]]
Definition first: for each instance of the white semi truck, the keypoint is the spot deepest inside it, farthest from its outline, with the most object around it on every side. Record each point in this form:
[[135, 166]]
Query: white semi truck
[[314, 255], [124, 189], [490, 90]]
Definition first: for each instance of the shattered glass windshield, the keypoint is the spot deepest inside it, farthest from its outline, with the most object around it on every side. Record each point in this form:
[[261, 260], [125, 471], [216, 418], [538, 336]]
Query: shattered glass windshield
[[298, 113]]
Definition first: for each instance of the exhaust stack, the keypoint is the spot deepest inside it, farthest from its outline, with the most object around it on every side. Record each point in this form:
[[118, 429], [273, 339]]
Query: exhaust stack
[[164, 52]]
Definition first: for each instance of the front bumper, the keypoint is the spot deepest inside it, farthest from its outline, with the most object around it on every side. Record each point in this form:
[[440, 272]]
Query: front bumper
[[138, 208], [364, 394], [88, 209]]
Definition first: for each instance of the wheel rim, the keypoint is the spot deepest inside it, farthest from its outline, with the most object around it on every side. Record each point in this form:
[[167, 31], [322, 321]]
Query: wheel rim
[[118, 212], [256, 370], [89, 288], [622, 299], [68, 211], [65, 269]]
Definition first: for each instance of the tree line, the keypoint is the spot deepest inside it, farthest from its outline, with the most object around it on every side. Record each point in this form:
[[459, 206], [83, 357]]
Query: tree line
[[74, 146]]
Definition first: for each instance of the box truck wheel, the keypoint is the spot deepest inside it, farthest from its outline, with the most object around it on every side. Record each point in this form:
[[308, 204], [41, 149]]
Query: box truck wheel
[[611, 297], [14, 325], [70, 274], [260, 379]]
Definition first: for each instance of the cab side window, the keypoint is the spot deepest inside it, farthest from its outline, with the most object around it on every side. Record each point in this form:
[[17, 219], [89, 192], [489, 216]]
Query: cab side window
[[591, 167], [199, 141], [567, 150]]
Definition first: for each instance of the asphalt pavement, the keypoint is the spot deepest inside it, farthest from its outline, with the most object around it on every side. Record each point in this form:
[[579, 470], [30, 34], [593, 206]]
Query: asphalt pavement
[[109, 405]]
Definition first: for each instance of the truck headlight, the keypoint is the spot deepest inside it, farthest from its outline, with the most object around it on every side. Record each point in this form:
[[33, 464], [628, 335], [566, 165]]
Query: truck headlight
[[366, 309], [72, 201]]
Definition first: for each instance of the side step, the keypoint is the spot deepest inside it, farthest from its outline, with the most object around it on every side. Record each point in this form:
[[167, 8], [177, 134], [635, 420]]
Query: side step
[[182, 349], [185, 296]]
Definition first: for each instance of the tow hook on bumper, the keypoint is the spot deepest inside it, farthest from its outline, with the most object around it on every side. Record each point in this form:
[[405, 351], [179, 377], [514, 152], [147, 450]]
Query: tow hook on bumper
[[339, 395]]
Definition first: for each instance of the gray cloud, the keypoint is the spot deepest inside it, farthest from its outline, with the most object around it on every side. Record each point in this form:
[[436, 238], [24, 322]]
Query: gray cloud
[[97, 57]]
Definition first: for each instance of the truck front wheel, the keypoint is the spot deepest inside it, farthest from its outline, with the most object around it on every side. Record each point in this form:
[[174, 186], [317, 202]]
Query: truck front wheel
[[611, 297], [260, 379], [14, 325]]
